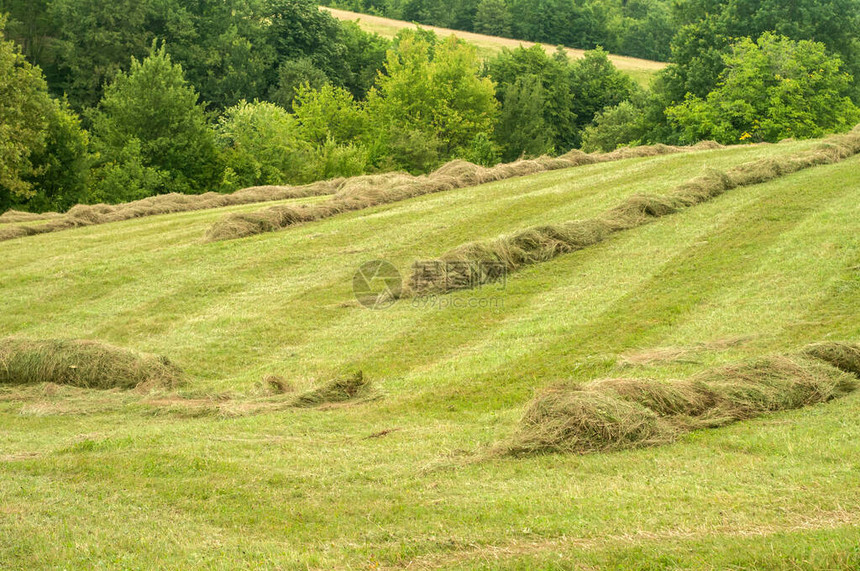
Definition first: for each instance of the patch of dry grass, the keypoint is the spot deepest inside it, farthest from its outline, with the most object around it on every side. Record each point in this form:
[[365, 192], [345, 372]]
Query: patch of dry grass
[[335, 391], [612, 414], [82, 363], [12, 216]]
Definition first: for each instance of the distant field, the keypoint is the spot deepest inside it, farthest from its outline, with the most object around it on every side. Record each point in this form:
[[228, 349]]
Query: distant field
[[224, 473], [641, 70]]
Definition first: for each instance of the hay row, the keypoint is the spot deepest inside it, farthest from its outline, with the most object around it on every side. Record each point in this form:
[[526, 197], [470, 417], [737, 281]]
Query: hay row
[[613, 414], [13, 216], [367, 191], [81, 363], [473, 264], [89, 215]]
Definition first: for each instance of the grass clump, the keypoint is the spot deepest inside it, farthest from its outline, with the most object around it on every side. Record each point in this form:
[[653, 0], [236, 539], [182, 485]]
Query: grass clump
[[612, 414], [82, 363], [542, 243], [843, 356], [338, 390]]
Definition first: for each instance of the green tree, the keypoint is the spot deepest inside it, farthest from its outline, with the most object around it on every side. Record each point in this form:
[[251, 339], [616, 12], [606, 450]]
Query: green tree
[[614, 127], [94, 41], [771, 89], [330, 114], [493, 18], [30, 26], [24, 109], [556, 112], [574, 23], [63, 164], [596, 84], [522, 129], [150, 118], [261, 145], [708, 26], [291, 75], [431, 92]]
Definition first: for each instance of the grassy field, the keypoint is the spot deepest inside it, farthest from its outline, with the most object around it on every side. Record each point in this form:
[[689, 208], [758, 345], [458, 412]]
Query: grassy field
[[641, 70], [218, 474]]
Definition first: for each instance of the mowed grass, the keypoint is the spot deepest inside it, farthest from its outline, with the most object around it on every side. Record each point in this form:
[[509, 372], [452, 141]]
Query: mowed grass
[[131, 480], [641, 70]]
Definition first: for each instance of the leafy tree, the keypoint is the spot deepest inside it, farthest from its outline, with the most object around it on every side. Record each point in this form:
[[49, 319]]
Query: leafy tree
[[553, 73], [492, 18], [293, 74], [574, 23], [333, 160], [262, 145], [222, 46], [771, 89], [329, 114], [24, 110], [94, 41], [229, 49], [522, 129], [596, 84], [149, 118], [431, 92], [365, 56], [708, 26], [642, 28], [62, 164], [614, 127], [30, 26], [483, 151], [434, 12]]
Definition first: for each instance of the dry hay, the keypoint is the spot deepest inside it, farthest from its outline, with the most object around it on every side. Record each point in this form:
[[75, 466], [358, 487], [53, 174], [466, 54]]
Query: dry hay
[[366, 191], [688, 354], [89, 215], [541, 243], [277, 384], [11, 216], [844, 356], [613, 414], [82, 363], [338, 390]]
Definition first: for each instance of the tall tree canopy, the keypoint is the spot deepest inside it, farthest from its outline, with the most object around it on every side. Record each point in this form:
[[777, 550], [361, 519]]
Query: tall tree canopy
[[150, 122], [771, 89]]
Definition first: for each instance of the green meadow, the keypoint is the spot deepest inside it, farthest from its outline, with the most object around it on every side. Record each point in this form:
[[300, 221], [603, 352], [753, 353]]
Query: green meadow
[[223, 472]]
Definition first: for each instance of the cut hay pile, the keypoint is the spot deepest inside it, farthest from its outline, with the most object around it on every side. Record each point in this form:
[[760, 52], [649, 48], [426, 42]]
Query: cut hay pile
[[844, 356], [11, 216], [338, 390], [80, 363], [613, 414], [89, 215], [366, 191], [542, 243]]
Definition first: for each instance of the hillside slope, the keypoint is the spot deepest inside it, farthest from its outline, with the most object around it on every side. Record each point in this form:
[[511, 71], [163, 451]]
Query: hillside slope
[[220, 474], [641, 70]]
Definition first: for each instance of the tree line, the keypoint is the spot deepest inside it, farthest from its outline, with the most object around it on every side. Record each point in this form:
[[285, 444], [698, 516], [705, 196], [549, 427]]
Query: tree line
[[111, 102]]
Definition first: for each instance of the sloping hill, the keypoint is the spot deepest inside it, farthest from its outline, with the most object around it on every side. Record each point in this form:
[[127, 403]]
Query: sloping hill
[[228, 471], [642, 70]]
